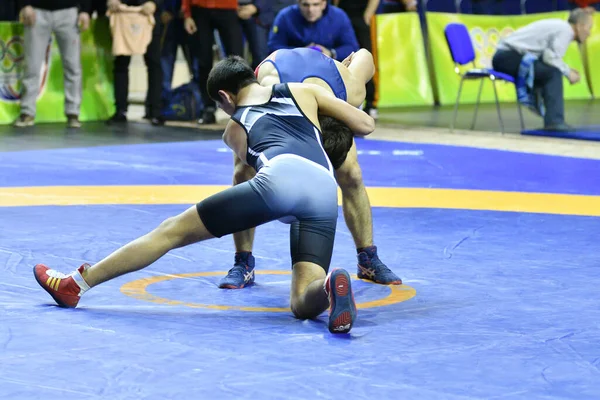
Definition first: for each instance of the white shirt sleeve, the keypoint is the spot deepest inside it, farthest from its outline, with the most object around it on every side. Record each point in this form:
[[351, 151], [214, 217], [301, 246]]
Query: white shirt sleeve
[[557, 48]]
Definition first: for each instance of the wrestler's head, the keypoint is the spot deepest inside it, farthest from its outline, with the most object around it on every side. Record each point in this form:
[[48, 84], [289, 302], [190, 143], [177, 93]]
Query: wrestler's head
[[226, 79], [337, 139]]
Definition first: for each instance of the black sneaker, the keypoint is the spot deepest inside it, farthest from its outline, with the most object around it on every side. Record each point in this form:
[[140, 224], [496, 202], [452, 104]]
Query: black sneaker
[[208, 117], [117, 118]]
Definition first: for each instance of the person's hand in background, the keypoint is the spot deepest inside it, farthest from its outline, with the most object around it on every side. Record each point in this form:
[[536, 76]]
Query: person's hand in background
[[148, 8], [190, 26], [113, 5], [83, 21], [27, 16], [246, 11]]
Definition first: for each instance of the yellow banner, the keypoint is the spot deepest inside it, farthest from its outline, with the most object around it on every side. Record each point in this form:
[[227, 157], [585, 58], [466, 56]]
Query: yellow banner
[[403, 77]]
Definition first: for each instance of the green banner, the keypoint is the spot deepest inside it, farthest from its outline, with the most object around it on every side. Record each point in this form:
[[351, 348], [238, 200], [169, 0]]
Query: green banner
[[485, 33], [96, 59], [403, 73]]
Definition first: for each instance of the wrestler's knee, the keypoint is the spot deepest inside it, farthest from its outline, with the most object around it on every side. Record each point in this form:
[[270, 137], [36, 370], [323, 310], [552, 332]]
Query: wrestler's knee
[[349, 175]]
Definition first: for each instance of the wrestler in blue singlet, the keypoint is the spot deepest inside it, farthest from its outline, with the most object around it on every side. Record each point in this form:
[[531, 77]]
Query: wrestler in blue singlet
[[296, 65]]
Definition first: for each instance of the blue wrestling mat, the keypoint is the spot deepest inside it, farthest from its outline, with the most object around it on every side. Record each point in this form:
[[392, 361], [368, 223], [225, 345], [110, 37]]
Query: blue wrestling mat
[[497, 250], [582, 133]]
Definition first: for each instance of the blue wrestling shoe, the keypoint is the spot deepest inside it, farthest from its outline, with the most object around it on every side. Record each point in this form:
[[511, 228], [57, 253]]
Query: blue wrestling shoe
[[342, 309], [371, 268], [242, 273]]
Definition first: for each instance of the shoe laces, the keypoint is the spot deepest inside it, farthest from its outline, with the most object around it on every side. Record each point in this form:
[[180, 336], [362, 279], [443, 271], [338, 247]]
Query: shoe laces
[[237, 270]]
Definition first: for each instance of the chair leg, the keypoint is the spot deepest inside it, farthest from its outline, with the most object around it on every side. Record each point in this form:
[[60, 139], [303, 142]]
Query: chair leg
[[462, 80], [477, 105], [521, 116], [498, 106]]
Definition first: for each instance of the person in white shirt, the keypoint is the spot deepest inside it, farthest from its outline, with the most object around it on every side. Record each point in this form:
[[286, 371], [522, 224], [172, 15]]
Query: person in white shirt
[[548, 40]]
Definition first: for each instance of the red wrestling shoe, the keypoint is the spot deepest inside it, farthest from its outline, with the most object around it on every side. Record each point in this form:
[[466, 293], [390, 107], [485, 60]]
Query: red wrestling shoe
[[66, 290], [342, 309]]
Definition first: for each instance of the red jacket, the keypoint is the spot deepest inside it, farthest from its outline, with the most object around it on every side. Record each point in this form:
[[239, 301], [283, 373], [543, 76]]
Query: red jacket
[[186, 5], [584, 3]]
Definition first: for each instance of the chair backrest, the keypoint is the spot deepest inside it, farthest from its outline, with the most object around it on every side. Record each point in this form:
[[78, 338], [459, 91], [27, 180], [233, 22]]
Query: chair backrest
[[459, 43]]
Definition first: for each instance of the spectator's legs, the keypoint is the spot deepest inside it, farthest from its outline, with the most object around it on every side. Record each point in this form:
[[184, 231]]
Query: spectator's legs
[[37, 39], [507, 62], [363, 35], [67, 36], [121, 83], [228, 25], [550, 80], [203, 42], [168, 56], [155, 75], [257, 37]]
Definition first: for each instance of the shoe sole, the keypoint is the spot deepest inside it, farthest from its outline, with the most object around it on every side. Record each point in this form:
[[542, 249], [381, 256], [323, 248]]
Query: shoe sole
[[231, 287], [366, 278], [58, 301], [343, 309]]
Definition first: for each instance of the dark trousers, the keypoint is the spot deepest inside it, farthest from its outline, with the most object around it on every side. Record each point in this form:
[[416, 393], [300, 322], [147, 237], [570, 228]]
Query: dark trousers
[[363, 35], [227, 24], [8, 11], [175, 36], [121, 80], [547, 78], [257, 37]]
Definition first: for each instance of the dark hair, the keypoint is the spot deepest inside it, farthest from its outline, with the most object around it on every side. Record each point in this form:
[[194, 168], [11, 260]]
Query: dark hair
[[337, 139], [231, 75]]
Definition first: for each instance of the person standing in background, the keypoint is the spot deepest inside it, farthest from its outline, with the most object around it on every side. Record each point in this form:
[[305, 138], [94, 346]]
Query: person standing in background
[[361, 14], [152, 60], [255, 18], [202, 17], [174, 36], [42, 18]]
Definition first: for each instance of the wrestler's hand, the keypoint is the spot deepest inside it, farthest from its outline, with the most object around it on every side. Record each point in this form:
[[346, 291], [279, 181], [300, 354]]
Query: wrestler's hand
[[189, 25], [83, 21], [346, 62], [113, 5], [27, 16]]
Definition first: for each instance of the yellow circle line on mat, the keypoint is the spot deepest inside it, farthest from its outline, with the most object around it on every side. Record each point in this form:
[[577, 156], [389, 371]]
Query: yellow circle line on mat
[[138, 289], [549, 203]]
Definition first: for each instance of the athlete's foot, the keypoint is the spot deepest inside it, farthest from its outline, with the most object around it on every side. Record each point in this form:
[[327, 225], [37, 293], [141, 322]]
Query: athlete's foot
[[242, 273], [371, 268], [66, 290], [342, 309]]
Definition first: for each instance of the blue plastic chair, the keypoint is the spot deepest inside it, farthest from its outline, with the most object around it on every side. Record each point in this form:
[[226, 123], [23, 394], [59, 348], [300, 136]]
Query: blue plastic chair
[[463, 53]]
